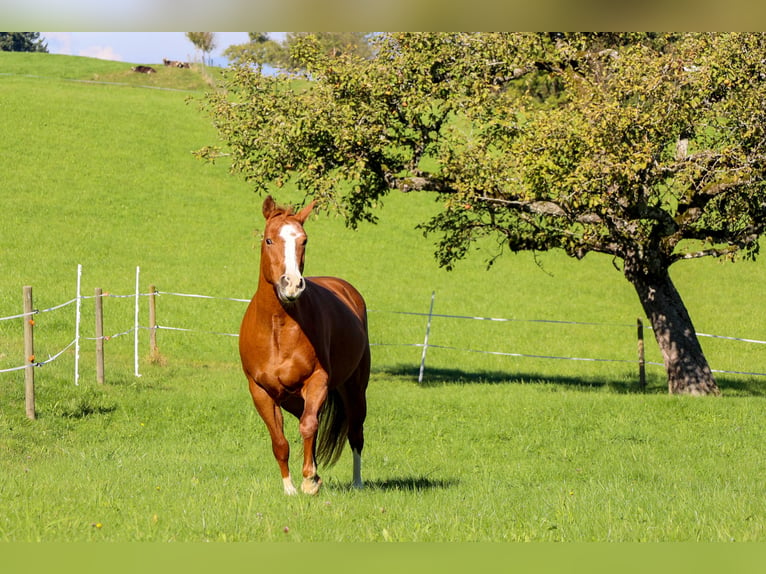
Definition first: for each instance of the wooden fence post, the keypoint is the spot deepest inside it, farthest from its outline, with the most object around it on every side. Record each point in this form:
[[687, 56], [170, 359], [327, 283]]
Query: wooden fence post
[[154, 352], [99, 300], [641, 361], [29, 354]]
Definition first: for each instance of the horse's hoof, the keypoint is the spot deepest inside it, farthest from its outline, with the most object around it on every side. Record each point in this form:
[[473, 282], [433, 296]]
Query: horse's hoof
[[311, 485], [289, 488]]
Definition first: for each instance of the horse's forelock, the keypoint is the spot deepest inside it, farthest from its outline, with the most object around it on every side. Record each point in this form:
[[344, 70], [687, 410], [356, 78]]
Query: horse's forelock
[[281, 211], [272, 209]]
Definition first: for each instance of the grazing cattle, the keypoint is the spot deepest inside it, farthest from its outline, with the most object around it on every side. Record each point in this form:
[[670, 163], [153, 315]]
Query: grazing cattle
[[144, 69], [304, 347], [175, 63]]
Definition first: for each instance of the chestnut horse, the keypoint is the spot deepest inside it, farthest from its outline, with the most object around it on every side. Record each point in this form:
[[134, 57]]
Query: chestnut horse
[[304, 347]]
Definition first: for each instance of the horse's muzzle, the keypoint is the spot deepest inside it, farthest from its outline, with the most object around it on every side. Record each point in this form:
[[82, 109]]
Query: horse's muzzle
[[290, 288]]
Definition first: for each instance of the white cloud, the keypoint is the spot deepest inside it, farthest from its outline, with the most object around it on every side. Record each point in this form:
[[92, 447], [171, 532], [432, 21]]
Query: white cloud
[[58, 42], [139, 47], [101, 52]]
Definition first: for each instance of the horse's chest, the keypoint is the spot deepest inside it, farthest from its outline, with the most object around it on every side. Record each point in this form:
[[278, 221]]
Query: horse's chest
[[287, 358], [286, 339]]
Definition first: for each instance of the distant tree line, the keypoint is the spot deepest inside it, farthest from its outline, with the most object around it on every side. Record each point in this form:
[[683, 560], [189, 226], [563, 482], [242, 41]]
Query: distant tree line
[[286, 55], [22, 42]]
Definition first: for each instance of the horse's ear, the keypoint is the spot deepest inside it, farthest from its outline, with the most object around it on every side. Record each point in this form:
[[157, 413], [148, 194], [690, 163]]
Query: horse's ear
[[268, 206], [304, 213]]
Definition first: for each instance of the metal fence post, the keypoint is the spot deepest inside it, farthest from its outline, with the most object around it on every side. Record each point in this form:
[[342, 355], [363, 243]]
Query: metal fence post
[[425, 341], [99, 301], [29, 354]]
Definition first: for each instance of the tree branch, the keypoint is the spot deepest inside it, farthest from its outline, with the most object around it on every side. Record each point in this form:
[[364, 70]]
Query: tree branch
[[712, 252], [543, 208]]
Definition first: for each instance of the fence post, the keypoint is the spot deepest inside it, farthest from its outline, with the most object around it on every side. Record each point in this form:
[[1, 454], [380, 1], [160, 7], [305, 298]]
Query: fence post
[[425, 341], [136, 326], [78, 306], [154, 352], [99, 300], [29, 354], [641, 361]]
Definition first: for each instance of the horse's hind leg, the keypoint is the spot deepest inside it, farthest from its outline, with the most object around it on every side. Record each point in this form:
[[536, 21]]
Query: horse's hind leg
[[272, 416], [356, 410]]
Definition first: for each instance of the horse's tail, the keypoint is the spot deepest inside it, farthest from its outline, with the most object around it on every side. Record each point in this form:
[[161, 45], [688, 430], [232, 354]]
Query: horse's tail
[[333, 430]]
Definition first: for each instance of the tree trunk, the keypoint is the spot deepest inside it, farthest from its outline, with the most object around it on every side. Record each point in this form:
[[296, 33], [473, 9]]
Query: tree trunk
[[685, 363]]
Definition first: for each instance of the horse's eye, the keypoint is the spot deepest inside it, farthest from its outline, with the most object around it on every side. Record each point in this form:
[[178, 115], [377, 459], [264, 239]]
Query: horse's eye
[[269, 241]]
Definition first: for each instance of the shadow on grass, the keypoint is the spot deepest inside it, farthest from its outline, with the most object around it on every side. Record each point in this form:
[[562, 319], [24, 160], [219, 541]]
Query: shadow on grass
[[82, 409], [408, 484], [656, 383]]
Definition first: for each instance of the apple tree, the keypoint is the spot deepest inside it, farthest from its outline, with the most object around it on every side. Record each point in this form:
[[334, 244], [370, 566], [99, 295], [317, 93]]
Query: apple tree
[[647, 147]]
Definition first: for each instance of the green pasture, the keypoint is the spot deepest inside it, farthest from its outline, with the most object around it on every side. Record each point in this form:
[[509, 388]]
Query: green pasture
[[98, 170]]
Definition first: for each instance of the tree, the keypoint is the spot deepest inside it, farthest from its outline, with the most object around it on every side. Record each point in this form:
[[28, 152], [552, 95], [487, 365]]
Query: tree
[[262, 50], [646, 147], [259, 49], [203, 41], [22, 42]]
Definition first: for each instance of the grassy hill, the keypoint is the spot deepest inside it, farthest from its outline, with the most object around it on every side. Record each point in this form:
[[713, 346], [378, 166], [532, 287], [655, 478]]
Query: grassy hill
[[78, 68], [98, 170], [102, 174]]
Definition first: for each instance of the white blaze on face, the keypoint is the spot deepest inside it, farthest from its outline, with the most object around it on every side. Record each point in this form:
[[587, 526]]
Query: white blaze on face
[[291, 283], [289, 233]]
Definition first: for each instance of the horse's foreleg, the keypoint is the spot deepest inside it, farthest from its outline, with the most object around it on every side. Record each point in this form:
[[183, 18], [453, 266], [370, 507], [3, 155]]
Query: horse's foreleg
[[272, 416], [314, 395]]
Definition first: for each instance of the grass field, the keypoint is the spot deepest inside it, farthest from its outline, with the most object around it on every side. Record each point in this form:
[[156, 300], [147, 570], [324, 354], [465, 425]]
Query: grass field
[[488, 448]]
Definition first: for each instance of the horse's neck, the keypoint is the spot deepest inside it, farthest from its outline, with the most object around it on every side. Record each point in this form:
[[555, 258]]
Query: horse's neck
[[269, 304], [267, 297], [271, 308]]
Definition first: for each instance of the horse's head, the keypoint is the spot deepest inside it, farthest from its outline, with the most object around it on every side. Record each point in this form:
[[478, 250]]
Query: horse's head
[[283, 249]]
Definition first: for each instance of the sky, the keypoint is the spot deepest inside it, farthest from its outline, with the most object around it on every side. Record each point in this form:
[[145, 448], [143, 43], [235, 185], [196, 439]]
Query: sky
[[140, 47]]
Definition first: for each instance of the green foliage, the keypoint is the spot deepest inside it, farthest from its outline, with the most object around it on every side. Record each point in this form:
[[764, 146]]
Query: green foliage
[[22, 42], [644, 147], [203, 41], [652, 144], [262, 50]]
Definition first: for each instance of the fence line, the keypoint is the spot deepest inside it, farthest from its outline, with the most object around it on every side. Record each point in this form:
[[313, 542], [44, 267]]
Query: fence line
[[202, 296], [503, 320], [193, 331], [554, 321], [425, 345], [552, 357], [36, 311], [30, 362], [135, 329], [414, 313]]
